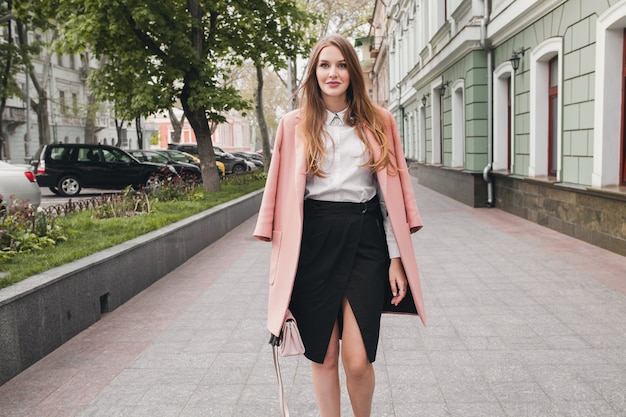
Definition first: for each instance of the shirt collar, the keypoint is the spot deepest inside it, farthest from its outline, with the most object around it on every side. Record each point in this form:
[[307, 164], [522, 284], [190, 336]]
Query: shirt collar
[[331, 115]]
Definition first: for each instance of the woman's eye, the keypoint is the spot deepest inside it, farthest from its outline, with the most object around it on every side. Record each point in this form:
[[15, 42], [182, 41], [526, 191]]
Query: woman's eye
[[343, 65], [324, 65]]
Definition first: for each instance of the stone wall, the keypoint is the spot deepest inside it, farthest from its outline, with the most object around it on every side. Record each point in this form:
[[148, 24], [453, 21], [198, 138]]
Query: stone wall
[[592, 215]]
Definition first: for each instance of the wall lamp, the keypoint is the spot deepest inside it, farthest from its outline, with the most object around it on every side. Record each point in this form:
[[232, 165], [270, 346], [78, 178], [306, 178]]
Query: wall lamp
[[516, 57], [425, 98], [442, 88]]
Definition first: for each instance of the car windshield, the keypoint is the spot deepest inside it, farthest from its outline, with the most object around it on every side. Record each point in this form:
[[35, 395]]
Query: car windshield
[[176, 156], [156, 157]]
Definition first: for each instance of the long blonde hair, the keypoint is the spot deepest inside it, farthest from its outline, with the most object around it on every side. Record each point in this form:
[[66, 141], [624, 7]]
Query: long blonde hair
[[362, 113]]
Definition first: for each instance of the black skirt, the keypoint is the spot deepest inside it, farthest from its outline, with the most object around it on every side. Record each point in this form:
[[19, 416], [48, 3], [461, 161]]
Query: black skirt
[[343, 255]]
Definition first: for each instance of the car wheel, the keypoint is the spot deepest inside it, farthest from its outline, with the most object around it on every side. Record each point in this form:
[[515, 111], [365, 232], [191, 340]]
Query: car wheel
[[154, 181], [55, 190], [238, 169], [68, 186]]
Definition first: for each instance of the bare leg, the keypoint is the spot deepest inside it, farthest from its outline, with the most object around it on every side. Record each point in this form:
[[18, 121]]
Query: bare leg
[[326, 379], [360, 378]]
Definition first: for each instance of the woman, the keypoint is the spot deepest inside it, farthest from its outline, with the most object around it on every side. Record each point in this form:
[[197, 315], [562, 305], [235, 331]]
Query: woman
[[339, 209]]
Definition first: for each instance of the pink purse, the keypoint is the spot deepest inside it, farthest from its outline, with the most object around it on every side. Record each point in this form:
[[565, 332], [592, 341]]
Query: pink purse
[[290, 340], [289, 343]]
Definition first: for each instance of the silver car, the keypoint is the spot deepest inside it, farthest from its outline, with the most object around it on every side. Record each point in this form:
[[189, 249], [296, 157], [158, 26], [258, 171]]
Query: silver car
[[18, 184]]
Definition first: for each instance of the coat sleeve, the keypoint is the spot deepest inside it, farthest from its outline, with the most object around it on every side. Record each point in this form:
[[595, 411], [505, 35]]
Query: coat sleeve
[[412, 214], [265, 220]]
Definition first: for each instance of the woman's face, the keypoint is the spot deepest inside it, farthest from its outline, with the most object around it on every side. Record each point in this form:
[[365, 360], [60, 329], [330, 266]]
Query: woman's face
[[332, 76]]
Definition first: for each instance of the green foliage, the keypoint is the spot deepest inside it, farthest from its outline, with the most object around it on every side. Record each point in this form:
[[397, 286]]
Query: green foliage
[[23, 230], [177, 49], [154, 139], [126, 204], [82, 233]]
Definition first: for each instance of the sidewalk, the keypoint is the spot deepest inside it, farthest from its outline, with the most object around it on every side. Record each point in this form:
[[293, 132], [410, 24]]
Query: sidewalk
[[522, 321]]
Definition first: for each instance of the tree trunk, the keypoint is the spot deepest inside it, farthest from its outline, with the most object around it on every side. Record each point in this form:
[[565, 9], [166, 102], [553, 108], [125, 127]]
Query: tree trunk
[[198, 116], [4, 151], [260, 116], [177, 125], [200, 125], [41, 108], [293, 78], [90, 120], [139, 132]]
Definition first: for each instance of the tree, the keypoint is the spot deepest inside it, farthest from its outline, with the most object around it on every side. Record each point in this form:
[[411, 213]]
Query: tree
[[159, 53], [177, 125], [9, 54], [275, 33], [345, 17]]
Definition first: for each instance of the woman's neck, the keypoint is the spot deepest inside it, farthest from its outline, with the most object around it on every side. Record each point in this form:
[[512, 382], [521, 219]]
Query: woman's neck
[[335, 106]]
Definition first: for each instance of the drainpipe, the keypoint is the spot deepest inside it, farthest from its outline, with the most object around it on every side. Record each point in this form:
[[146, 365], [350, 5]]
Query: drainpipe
[[485, 45]]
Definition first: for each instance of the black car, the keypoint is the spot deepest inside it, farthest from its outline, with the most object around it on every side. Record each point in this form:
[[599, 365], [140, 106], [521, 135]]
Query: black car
[[253, 157], [191, 148], [232, 164], [184, 169], [67, 168]]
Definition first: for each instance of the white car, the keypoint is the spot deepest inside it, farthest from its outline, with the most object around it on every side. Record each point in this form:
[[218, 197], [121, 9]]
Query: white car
[[18, 184]]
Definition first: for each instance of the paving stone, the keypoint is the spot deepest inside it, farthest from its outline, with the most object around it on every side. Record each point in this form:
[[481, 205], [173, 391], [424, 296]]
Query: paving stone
[[522, 322]]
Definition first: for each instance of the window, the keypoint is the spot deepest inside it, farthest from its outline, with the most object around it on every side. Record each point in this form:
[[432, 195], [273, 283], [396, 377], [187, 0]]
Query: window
[[458, 125], [608, 138], [544, 140], [553, 108], [436, 120], [509, 136], [62, 103], [421, 155]]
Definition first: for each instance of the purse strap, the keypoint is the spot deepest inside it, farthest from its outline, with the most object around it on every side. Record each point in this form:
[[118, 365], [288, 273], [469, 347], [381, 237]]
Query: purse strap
[[284, 410]]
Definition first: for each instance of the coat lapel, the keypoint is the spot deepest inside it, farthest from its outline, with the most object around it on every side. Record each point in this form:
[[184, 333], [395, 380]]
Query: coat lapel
[[300, 162]]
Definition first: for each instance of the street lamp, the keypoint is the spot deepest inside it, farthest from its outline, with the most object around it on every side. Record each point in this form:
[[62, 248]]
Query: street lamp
[[442, 88], [516, 57]]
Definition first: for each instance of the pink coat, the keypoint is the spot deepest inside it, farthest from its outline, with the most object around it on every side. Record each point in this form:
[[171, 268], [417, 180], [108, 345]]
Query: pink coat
[[281, 214]]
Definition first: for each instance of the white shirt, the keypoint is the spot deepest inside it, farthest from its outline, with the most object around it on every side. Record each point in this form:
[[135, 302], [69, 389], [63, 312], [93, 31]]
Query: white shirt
[[348, 178]]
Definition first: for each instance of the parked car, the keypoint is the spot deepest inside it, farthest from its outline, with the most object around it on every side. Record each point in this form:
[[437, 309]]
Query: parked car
[[18, 185], [191, 148], [183, 169], [189, 158], [67, 168], [232, 164], [253, 157]]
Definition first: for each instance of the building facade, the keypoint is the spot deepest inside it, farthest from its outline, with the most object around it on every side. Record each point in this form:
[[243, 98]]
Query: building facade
[[236, 134], [63, 77], [517, 104]]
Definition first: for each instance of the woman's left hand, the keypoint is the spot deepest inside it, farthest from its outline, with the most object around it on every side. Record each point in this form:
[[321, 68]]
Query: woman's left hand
[[398, 281]]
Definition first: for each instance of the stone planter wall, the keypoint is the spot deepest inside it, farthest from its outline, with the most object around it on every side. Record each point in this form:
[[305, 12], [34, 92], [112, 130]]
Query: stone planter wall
[[42, 312]]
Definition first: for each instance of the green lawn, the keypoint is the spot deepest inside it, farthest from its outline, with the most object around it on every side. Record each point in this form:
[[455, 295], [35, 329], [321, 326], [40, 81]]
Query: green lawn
[[87, 235]]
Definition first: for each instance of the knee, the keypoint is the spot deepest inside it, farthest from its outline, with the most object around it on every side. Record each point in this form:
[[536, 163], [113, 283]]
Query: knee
[[357, 367], [331, 361]]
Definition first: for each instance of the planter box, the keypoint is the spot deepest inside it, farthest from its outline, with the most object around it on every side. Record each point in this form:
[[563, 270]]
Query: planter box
[[41, 313]]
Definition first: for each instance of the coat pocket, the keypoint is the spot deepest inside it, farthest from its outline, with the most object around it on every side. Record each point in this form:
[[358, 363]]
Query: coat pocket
[[276, 243]]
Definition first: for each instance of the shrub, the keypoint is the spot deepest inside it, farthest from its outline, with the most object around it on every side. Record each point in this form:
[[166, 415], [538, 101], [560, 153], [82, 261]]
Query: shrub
[[24, 229]]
